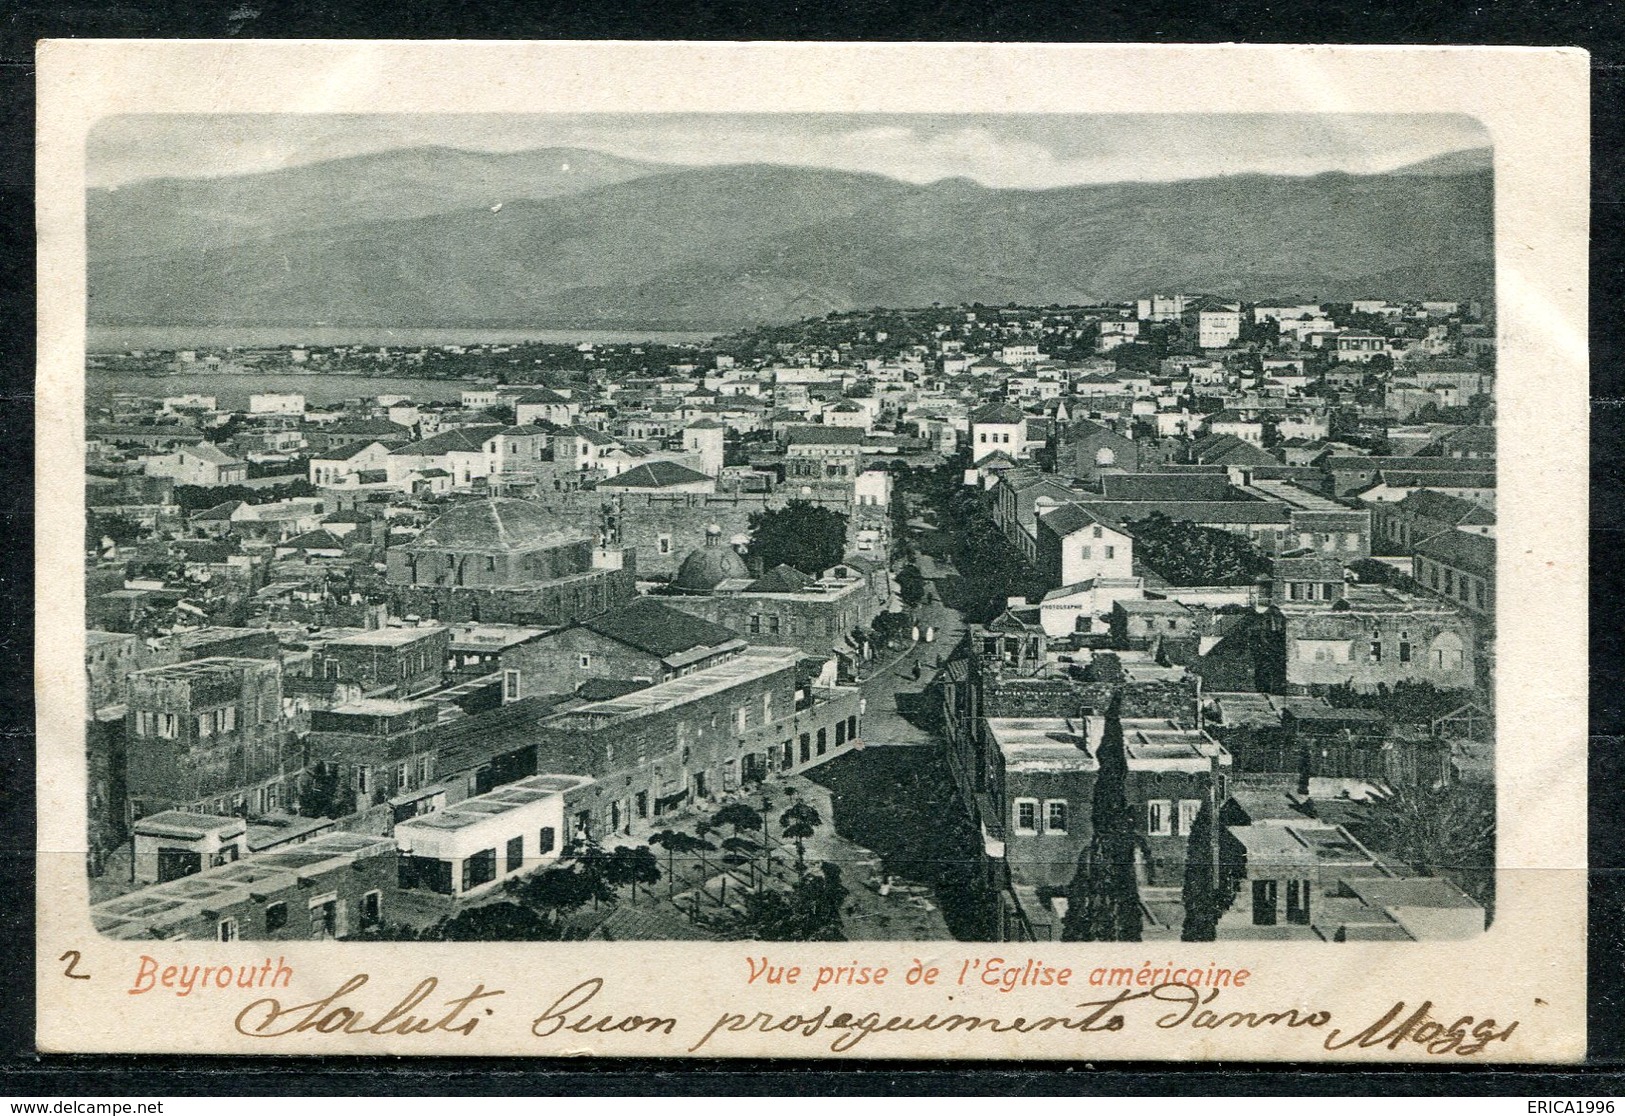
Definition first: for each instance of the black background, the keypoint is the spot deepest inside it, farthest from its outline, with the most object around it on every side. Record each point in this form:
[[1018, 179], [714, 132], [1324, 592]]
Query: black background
[[1595, 25]]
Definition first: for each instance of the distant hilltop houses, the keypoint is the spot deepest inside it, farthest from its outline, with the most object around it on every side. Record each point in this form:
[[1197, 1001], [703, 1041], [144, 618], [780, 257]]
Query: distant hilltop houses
[[365, 657]]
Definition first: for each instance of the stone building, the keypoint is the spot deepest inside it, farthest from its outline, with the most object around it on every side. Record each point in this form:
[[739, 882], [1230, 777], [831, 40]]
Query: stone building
[[208, 735], [783, 607], [385, 662], [330, 887], [512, 561], [648, 640], [364, 752], [1373, 636], [700, 736]]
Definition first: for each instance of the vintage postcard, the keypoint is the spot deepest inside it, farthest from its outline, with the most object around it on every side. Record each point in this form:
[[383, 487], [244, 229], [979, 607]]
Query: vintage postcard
[[879, 551]]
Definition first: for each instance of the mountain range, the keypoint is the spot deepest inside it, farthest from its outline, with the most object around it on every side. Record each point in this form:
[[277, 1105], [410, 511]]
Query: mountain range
[[564, 238]]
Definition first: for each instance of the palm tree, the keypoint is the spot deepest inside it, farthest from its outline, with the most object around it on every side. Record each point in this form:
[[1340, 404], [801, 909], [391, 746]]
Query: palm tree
[[798, 822]]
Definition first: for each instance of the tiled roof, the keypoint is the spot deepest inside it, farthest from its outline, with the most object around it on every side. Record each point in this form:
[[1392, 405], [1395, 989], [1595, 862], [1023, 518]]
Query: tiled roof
[[655, 474], [658, 629], [1461, 550], [497, 525], [344, 453]]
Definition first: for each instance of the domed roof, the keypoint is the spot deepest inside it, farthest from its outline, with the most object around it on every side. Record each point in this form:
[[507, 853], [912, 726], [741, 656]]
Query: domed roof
[[497, 526], [710, 565]]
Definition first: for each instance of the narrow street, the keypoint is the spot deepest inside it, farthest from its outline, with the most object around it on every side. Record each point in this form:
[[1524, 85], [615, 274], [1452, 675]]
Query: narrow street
[[894, 713]]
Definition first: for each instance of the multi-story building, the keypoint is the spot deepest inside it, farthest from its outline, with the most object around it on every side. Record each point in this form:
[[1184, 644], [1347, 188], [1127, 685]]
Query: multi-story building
[[209, 736], [386, 662], [1459, 566], [363, 752], [816, 453], [700, 736], [1373, 636]]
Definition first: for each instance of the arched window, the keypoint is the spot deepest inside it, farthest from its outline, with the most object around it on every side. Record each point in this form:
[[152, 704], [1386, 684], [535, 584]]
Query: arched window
[[1104, 456], [1445, 653]]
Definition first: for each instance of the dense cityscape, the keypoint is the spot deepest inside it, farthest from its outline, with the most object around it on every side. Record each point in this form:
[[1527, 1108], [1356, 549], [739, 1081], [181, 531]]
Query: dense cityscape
[[1163, 620]]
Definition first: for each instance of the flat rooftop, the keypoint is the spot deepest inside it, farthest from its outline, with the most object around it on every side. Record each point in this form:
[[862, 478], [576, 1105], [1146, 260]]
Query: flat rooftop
[[379, 707], [1369, 599], [490, 637], [500, 801], [1042, 744], [181, 823], [385, 637], [214, 667], [1157, 745], [757, 662], [1301, 844], [155, 911]]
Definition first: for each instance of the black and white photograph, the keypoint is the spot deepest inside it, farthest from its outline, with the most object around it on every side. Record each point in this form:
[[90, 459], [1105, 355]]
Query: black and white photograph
[[798, 527]]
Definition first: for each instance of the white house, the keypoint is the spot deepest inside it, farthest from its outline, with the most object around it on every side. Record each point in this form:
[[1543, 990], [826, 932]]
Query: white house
[[544, 405], [276, 403], [997, 428], [1075, 546], [470, 848], [336, 466], [203, 464]]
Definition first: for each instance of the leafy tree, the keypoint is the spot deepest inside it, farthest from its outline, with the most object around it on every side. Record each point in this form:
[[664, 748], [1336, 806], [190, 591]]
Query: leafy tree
[[800, 534], [675, 841], [798, 823], [493, 922], [557, 892], [911, 585], [738, 816], [120, 528], [632, 865], [1187, 553], [1445, 831], [809, 912], [1104, 901]]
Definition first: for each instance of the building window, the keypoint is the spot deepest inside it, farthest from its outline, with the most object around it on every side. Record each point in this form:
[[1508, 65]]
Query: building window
[[516, 854], [372, 909], [1025, 817], [823, 741], [1376, 651], [1111, 552], [1297, 902], [1159, 820], [584, 662], [545, 840], [1188, 809], [1094, 533], [1087, 553], [481, 868], [852, 727], [1055, 816], [773, 625], [227, 930], [806, 747], [741, 718], [1404, 652], [490, 564], [276, 917], [840, 733], [663, 544], [361, 779], [1265, 895]]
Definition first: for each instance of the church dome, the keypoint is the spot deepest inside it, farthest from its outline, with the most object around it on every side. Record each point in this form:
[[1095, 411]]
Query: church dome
[[497, 526], [710, 565]]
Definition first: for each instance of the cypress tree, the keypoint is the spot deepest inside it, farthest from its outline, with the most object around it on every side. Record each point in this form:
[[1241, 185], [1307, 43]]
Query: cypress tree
[[1104, 899]]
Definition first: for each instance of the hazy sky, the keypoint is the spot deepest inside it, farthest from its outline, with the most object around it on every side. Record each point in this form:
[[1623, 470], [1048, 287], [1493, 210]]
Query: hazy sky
[[1027, 151]]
